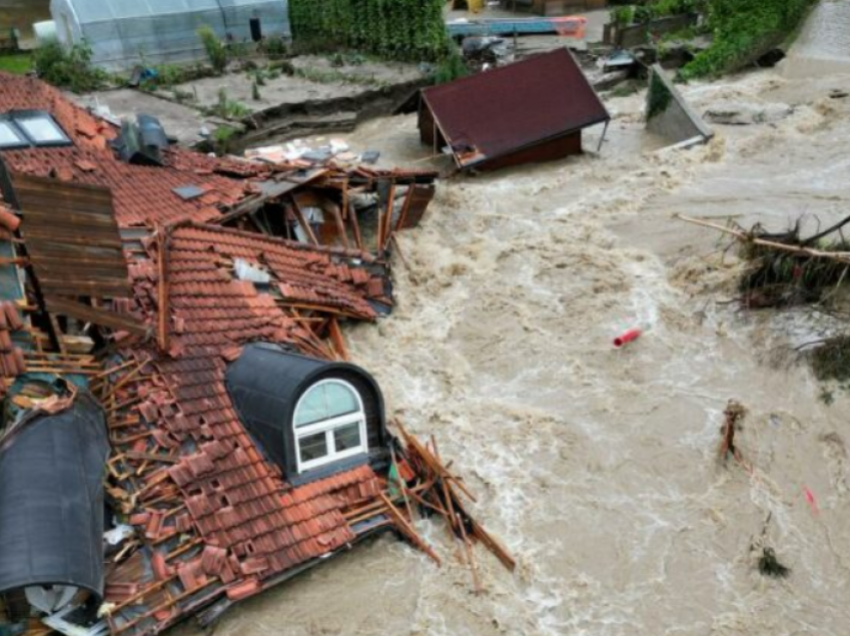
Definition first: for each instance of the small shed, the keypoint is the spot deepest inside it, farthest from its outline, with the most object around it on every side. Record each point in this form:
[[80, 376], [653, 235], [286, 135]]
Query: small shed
[[125, 33], [533, 110]]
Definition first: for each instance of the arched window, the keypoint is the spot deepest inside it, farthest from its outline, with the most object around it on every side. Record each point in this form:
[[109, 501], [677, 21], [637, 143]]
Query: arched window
[[330, 424]]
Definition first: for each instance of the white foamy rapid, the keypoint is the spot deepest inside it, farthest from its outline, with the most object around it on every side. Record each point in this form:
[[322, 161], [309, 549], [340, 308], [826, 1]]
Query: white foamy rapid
[[598, 467]]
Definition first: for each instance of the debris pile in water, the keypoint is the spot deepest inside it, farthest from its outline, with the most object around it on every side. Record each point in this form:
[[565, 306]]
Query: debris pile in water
[[785, 269]]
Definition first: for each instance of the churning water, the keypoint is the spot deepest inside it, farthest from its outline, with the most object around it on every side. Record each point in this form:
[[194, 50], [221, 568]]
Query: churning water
[[598, 467]]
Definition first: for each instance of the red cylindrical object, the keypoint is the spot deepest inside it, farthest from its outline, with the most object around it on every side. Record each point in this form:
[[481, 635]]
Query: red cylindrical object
[[626, 337]]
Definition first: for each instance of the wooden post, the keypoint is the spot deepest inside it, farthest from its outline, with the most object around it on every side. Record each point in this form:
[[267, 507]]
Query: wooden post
[[302, 221], [162, 292]]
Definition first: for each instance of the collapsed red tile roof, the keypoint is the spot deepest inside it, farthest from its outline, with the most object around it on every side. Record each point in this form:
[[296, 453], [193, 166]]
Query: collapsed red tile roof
[[219, 521], [143, 195], [249, 523]]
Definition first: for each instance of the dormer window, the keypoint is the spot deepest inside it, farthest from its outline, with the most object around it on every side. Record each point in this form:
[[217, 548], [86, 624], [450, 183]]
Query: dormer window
[[27, 128], [311, 417], [330, 424]]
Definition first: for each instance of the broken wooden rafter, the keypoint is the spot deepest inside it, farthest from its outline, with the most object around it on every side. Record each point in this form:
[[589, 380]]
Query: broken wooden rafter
[[86, 313], [744, 237], [302, 221], [440, 484], [408, 530]]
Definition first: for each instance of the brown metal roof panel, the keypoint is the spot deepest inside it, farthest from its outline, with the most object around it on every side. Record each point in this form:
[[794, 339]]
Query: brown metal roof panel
[[58, 217], [496, 112]]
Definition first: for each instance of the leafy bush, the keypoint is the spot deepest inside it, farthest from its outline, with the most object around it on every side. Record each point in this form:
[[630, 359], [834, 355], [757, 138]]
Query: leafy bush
[[69, 69], [227, 108], [676, 7], [622, 16], [222, 138], [451, 67], [743, 30], [216, 51], [398, 29], [275, 47]]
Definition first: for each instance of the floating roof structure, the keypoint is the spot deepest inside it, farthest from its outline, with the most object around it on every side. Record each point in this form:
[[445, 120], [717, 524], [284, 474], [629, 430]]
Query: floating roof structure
[[533, 110]]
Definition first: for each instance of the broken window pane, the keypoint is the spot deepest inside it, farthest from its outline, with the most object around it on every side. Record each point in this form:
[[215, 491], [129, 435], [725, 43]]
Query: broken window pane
[[313, 447]]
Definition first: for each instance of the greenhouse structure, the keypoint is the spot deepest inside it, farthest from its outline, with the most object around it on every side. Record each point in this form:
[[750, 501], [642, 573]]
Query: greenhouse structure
[[123, 34]]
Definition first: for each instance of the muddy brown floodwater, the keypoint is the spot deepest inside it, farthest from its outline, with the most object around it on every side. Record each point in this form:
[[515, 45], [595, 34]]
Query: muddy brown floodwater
[[598, 467]]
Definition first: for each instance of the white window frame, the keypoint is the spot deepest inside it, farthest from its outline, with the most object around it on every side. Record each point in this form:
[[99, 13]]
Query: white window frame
[[329, 427]]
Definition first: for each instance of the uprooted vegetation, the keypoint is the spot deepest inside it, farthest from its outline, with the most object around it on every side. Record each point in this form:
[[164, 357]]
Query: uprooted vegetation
[[805, 271], [785, 269]]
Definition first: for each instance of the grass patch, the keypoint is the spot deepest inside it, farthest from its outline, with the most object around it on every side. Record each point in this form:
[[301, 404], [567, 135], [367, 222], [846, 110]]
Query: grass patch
[[18, 63]]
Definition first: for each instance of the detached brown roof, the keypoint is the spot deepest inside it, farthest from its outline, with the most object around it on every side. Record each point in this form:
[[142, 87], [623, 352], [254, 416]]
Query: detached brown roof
[[515, 106]]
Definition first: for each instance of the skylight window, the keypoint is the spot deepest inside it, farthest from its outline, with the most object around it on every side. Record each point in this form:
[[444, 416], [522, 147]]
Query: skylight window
[[41, 129], [22, 129], [10, 137]]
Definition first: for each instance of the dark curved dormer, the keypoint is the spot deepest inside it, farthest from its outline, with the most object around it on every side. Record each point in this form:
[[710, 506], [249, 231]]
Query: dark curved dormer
[[52, 505], [311, 417]]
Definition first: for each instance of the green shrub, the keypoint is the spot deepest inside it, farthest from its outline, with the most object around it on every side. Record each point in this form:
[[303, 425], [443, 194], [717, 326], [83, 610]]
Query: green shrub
[[676, 7], [222, 138], [658, 98], [622, 16], [411, 30], [275, 47], [227, 108], [452, 66], [70, 68], [743, 30], [216, 51]]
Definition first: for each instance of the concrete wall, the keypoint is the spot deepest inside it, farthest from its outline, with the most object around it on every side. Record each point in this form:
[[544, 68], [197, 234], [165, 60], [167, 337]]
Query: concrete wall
[[677, 122]]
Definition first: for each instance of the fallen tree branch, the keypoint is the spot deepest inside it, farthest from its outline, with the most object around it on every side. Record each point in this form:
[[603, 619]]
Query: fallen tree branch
[[841, 257]]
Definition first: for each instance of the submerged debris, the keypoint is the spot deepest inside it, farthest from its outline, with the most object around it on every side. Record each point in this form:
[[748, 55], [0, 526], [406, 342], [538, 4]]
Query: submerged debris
[[830, 358], [784, 268], [734, 413], [769, 565]]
